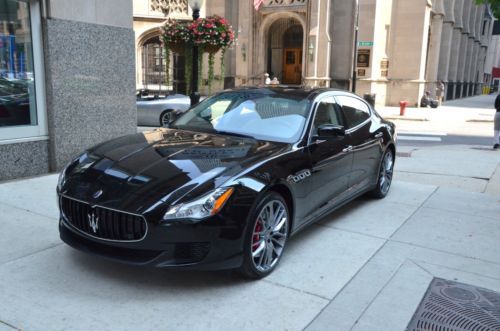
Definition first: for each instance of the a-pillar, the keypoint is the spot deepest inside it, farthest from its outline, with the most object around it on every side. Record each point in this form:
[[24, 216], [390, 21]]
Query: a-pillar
[[446, 42], [437, 17]]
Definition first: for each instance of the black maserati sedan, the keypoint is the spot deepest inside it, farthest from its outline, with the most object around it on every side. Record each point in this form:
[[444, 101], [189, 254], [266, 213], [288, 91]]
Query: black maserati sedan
[[229, 182]]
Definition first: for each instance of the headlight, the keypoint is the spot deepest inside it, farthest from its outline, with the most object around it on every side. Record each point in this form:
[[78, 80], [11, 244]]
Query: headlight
[[81, 163], [62, 178], [204, 207]]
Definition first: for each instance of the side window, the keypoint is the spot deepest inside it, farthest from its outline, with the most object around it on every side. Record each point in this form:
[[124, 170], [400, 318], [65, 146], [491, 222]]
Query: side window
[[355, 111], [327, 113]]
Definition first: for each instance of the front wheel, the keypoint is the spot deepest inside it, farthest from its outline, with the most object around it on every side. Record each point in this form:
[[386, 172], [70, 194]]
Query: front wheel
[[266, 236], [385, 176]]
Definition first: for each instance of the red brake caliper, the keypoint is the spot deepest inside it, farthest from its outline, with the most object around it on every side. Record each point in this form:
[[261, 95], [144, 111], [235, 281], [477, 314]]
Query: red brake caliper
[[256, 236]]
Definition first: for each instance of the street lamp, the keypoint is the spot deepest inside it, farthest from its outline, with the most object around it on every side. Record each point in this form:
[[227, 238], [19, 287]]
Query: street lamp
[[195, 95]]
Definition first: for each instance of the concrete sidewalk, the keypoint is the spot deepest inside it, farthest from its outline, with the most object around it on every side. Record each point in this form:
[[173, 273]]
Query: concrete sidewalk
[[365, 267], [479, 108]]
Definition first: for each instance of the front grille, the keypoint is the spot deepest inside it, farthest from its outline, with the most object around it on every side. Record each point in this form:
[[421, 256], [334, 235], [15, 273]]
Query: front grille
[[102, 222]]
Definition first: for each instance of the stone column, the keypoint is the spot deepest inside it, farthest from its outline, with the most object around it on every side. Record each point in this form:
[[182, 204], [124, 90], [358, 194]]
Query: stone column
[[455, 47], [477, 49], [341, 32], [90, 75], [409, 44], [464, 46], [446, 42], [437, 17], [470, 51]]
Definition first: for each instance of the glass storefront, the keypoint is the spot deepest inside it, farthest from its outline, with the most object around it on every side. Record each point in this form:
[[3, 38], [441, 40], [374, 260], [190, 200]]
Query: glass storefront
[[17, 74]]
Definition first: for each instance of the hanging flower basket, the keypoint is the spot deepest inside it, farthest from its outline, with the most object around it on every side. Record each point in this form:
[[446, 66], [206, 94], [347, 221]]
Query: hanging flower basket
[[212, 31], [177, 47], [212, 49], [210, 34]]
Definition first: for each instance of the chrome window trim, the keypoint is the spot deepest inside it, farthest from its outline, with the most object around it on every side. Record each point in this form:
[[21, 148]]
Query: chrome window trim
[[314, 107], [370, 112], [94, 206]]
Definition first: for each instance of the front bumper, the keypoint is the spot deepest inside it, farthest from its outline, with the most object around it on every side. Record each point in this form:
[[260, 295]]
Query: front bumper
[[209, 245]]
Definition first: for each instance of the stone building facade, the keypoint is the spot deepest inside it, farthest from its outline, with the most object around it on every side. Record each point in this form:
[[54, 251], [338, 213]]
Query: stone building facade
[[298, 41], [412, 44], [67, 80]]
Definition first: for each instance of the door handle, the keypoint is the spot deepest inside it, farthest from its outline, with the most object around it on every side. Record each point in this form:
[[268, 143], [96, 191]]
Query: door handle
[[347, 149], [379, 135]]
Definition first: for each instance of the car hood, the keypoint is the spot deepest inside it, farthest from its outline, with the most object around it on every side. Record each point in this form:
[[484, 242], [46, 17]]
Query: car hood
[[165, 166]]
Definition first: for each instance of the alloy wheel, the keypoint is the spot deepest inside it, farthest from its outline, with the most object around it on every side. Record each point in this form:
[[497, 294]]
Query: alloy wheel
[[269, 235], [166, 118], [386, 172]]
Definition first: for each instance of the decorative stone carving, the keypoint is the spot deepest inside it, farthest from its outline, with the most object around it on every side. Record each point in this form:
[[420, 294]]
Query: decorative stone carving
[[281, 3], [168, 7]]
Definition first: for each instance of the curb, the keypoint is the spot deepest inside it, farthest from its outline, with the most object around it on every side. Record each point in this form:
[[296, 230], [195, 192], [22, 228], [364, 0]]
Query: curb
[[401, 118], [479, 121]]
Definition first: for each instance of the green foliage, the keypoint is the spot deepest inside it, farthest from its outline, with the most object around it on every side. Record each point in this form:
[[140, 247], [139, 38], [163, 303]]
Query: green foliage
[[495, 6]]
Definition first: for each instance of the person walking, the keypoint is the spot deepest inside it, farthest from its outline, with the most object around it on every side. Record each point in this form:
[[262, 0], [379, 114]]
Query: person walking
[[440, 92], [496, 144]]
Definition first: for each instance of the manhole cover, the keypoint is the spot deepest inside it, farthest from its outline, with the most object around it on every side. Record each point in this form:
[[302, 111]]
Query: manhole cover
[[452, 306]]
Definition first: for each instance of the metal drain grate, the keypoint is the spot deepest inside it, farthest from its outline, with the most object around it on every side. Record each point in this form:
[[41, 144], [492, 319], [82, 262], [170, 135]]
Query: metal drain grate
[[452, 306]]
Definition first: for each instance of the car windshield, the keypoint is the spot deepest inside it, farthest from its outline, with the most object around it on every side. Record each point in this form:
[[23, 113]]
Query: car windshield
[[264, 116]]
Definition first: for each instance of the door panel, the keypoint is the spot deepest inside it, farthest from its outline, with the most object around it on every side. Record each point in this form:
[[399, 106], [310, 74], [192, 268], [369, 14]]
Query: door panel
[[292, 66], [331, 159], [367, 148]]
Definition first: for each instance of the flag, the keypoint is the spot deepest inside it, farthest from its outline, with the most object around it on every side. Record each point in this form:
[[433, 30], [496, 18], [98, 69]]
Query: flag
[[257, 4]]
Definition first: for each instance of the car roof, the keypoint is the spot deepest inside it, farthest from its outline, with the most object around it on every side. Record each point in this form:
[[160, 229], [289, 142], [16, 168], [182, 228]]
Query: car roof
[[292, 92]]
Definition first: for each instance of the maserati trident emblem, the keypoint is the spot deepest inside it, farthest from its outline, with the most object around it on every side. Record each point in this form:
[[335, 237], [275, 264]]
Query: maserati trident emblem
[[93, 222]]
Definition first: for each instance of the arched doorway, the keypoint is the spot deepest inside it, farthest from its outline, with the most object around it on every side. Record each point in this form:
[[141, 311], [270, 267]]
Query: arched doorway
[[153, 65], [285, 50]]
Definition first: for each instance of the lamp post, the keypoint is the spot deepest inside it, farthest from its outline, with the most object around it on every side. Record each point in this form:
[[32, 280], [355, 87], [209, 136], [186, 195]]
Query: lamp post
[[195, 95]]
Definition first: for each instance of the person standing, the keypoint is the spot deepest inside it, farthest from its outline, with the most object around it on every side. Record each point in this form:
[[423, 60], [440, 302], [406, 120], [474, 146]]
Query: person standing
[[440, 91], [496, 144]]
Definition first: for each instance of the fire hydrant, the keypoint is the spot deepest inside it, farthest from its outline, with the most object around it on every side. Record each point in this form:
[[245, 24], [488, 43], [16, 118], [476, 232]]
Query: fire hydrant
[[402, 107]]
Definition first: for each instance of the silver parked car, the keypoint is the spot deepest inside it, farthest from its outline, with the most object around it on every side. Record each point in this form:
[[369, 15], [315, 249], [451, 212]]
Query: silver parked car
[[154, 110]]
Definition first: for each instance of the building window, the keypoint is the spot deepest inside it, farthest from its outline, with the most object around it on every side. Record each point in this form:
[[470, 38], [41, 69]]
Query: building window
[[154, 68], [21, 113]]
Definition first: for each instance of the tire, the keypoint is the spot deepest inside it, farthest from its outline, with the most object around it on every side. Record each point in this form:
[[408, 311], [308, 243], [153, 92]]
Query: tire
[[167, 116], [265, 242], [386, 171]]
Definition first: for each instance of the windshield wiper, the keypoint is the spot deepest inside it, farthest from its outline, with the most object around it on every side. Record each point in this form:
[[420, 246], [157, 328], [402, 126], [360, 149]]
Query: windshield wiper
[[234, 134]]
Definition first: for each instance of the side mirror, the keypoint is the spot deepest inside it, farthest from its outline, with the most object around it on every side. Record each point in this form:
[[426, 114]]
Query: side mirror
[[326, 131]]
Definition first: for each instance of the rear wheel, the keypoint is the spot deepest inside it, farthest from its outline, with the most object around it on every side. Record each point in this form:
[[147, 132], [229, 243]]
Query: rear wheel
[[385, 175], [266, 236]]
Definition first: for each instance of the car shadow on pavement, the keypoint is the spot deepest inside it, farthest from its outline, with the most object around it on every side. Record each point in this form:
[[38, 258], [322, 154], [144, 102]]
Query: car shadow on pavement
[[158, 279], [161, 279]]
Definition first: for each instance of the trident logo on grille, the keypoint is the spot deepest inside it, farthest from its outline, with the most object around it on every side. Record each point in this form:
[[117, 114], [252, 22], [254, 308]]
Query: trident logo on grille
[[93, 222]]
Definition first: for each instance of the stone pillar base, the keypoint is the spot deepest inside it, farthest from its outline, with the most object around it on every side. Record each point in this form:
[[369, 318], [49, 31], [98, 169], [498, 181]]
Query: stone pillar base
[[317, 82], [450, 88]]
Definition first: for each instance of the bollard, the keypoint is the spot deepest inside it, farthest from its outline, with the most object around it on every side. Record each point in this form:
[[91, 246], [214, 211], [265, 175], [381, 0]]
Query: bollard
[[402, 107]]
